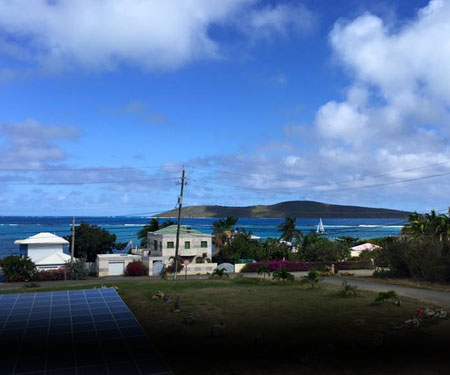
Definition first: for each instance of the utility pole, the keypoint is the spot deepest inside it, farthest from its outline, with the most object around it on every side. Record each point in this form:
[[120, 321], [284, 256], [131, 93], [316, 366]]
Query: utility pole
[[180, 204], [72, 244]]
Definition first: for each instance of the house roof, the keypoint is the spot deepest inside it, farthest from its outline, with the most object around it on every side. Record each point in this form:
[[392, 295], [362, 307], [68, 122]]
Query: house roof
[[365, 246], [43, 238], [56, 258], [184, 229]]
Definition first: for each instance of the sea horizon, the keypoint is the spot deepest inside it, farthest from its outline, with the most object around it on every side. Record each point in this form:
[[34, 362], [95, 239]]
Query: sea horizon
[[126, 228]]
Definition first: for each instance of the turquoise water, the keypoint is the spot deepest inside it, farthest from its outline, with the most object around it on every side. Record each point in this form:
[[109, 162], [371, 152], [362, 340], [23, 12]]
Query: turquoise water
[[126, 228]]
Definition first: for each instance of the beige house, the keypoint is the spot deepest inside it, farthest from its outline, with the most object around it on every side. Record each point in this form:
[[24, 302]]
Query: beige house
[[193, 243], [195, 251]]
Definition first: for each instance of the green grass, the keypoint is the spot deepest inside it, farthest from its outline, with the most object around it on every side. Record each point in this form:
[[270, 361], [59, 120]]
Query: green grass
[[285, 328]]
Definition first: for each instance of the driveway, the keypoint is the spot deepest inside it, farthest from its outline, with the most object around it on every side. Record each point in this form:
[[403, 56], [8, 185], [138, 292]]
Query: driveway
[[433, 296]]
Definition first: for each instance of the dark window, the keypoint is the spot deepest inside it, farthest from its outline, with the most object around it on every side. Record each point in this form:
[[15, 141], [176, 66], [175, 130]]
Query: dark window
[[187, 244], [204, 244], [155, 244], [170, 245]]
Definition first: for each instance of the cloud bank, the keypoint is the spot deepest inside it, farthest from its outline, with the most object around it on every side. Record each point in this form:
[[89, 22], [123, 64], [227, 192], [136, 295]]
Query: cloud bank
[[393, 122], [151, 34]]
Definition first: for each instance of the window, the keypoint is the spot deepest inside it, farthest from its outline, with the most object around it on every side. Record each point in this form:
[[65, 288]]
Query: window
[[170, 245], [187, 244], [155, 245], [204, 244]]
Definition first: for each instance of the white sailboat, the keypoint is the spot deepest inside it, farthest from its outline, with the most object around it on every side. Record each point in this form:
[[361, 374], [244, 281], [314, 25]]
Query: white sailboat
[[320, 227]]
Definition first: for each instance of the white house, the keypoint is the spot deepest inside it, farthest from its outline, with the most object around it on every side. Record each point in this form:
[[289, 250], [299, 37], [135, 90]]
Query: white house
[[45, 249]]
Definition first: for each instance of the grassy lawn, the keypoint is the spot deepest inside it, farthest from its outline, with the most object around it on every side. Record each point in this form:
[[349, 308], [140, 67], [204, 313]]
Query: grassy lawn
[[276, 328]]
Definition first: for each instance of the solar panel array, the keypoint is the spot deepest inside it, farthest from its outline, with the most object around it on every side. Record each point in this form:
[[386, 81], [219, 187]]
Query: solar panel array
[[73, 332]]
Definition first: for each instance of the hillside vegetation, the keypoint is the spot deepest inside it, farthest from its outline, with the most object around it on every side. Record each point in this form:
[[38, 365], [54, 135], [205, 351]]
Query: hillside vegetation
[[304, 209]]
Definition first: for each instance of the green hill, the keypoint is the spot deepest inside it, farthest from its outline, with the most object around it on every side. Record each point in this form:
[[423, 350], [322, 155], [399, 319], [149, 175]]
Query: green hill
[[304, 209]]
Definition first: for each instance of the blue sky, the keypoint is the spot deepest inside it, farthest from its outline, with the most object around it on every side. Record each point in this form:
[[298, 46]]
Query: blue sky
[[102, 103]]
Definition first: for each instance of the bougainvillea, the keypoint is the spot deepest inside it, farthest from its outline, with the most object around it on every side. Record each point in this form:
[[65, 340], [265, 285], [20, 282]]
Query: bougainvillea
[[136, 268]]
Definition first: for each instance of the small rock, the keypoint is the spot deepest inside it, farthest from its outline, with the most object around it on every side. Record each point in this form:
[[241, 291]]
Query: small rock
[[359, 322], [218, 329], [189, 319], [428, 313], [158, 295]]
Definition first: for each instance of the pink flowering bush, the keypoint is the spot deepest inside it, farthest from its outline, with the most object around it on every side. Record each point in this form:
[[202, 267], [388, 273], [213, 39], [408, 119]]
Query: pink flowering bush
[[49, 275]]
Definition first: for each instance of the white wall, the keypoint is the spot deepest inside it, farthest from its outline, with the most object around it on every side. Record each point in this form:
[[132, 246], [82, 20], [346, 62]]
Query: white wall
[[36, 252]]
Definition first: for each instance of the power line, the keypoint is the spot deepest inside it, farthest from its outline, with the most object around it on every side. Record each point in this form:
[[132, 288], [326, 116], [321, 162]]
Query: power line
[[92, 182]]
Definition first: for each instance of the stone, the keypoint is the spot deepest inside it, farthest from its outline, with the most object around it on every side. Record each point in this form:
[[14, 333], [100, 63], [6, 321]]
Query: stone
[[359, 322], [428, 313], [218, 329], [158, 295], [190, 319]]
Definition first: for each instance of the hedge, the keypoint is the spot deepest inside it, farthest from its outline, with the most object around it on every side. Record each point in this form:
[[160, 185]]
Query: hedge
[[274, 265]]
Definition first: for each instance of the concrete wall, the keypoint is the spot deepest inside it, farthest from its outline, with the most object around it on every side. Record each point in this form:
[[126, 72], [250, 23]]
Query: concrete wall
[[198, 269], [104, 259], [36, 252]]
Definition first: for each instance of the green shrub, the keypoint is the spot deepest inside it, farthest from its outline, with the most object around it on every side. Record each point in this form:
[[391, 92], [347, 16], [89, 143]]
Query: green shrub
[[219, 273], [389, 296], [423, 258], [283, 274], [348, 290], [312, 277], [77, 270], [17, 268]]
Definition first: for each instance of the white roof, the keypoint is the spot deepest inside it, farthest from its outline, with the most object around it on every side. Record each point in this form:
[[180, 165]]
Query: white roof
[[365, 246], [44, 238], [56, 258]]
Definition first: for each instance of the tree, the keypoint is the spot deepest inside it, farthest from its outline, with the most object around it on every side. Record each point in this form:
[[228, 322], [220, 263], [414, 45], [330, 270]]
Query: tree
[[324, 250], [263, 269], [429, 225], [289, 232], [312, 278], [241, 245], [153, 226], [91, 240], [17, 268], [222, 231]]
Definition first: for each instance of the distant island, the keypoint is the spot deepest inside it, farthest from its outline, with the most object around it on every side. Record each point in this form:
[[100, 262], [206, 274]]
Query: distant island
[[300, 209]]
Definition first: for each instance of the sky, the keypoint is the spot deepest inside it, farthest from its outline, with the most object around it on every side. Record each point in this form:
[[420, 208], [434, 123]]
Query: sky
[[103, 103]]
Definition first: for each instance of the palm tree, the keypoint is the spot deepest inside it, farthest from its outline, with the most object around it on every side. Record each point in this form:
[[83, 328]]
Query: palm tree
[[289, 232], [429, 225], [222, 231], [263, 269]]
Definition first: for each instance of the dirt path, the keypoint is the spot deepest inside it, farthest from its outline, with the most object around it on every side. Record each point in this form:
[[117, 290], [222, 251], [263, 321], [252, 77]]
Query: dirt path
[[433, 296]]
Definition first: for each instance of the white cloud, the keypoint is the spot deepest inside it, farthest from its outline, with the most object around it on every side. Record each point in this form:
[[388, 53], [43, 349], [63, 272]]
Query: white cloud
[[391, 125], [152, 34], [280, 19], [32, 145]]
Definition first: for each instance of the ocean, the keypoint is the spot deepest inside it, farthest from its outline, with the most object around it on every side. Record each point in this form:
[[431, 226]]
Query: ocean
[[126, 228]]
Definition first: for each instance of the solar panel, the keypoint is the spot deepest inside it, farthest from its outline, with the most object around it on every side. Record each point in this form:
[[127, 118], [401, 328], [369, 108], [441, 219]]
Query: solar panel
[[73, 332]]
